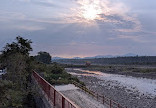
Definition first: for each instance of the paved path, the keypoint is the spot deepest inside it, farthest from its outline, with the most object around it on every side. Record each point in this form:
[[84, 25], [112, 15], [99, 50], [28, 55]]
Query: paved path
[[80, 98]]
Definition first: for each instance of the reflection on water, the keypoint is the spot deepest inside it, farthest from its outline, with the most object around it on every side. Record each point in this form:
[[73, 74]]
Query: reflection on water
[[88, 73], [73, 73]]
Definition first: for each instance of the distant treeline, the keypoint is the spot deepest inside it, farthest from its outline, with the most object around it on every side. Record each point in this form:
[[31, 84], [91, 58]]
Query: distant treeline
[[115, 60]]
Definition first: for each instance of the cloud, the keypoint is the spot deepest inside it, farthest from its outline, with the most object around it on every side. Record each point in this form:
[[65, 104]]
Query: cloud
[[29, 28], [134, 38], [135, 25], [45, 3], [80, 50], [24, 0], [8, 15], [114, 12], [62, 26]]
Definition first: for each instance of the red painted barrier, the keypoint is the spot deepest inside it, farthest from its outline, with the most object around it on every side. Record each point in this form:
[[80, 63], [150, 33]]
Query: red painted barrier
[[56, 98]]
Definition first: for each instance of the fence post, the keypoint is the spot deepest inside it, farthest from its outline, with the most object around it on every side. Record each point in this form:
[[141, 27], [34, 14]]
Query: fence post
[[48, 92], [97, 96], [54, 97], [110, 103], [85, 89], [103, 99], [63, 102], [118, 105]]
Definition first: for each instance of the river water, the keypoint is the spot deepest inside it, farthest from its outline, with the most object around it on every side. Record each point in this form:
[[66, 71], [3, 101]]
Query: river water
[[142, 85]]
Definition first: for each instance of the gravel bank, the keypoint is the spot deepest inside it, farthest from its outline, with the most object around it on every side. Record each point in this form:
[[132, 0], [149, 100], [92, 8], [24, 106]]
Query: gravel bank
[[119, 93]]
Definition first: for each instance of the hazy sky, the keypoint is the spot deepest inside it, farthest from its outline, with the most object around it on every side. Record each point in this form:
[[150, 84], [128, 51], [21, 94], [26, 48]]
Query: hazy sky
[[81, 28]]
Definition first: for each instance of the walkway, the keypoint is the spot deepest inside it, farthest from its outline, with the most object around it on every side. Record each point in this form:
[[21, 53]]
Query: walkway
[[79, 97]]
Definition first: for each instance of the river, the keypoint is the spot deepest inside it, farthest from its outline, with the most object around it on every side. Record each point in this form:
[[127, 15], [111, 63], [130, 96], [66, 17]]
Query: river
[[122, 88]]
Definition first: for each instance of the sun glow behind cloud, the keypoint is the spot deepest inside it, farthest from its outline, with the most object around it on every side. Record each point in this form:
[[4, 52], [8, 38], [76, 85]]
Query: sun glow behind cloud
[[96, 12], [91, 11]]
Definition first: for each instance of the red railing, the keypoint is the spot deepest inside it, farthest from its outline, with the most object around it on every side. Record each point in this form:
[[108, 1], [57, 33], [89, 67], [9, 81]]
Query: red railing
[[56, 98]]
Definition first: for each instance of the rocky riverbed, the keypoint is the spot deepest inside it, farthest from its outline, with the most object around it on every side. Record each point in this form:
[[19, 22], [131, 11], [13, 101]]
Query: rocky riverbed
[[132, 92]]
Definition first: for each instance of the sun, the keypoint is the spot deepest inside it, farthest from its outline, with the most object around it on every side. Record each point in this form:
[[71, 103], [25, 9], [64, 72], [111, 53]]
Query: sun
[[91, 11]]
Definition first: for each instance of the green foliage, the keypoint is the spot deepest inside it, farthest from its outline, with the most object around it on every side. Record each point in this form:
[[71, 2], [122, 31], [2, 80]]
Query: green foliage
[[121, 68], [15, 90], [56, 69], [16, 68], [39, 67], [43, 57], [20, 46], [16, 97], [144, 70], [54, 73], [4, 84], [15, 57], [9, 95], [63, 78]]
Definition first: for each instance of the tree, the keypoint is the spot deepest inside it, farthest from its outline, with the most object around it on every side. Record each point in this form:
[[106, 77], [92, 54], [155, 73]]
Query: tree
[[21, 45], [43, 57], [15, 57], [56, 69]]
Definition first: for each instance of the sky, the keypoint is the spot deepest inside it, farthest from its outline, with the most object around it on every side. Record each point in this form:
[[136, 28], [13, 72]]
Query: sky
[[80, 28]]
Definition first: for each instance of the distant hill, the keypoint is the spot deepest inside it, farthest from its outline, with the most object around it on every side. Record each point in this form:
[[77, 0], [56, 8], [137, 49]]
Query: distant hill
[[98, 56], [112, 60], [57, 58], [130, 55], [77, 58]]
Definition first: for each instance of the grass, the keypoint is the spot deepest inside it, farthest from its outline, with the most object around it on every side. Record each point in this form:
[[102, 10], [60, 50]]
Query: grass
[[56, 74], [117, 68]]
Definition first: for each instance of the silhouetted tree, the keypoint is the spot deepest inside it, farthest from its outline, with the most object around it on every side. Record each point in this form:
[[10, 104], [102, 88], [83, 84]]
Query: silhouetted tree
[[15, 57], [43, 57], [21, 45]]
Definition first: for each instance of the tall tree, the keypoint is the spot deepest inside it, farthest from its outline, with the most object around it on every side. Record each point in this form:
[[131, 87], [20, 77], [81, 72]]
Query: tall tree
[[43, 57], [15, 57]]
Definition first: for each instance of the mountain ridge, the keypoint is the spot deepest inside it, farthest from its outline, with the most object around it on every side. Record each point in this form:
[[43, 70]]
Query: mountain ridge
[[98, 56]]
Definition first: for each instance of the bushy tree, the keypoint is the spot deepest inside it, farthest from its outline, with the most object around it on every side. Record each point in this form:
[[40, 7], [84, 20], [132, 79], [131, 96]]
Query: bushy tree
[[21, 45], [56, 69], [15, 57], [43, 57]]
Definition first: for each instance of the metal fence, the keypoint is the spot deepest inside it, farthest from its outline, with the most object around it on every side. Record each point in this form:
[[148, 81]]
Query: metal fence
[[101, 98], [56, 98]]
